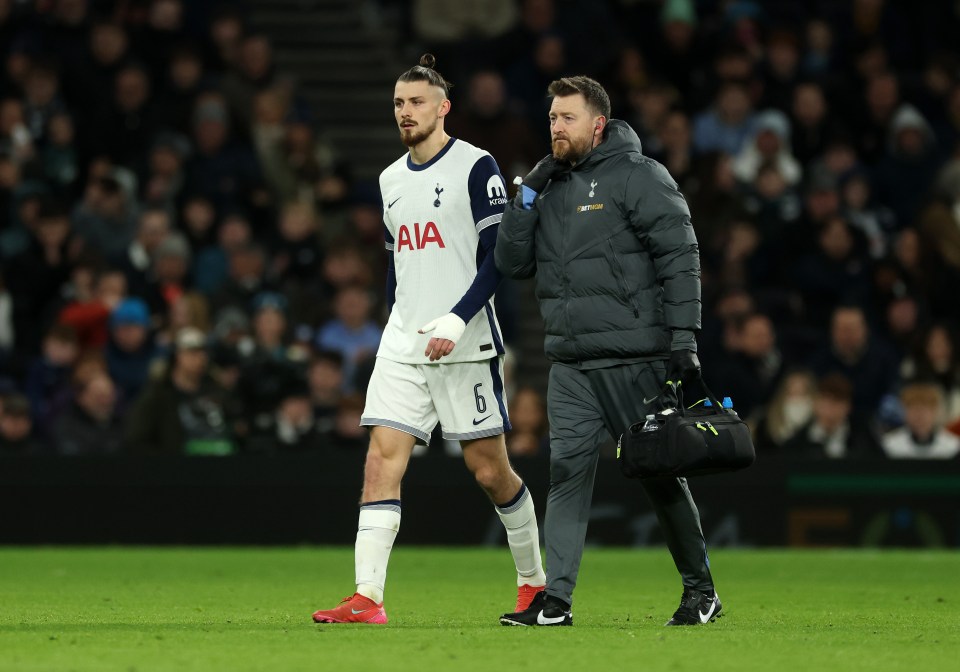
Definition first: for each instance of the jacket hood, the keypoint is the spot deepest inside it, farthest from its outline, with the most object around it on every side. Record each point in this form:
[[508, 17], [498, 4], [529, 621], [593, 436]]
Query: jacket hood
[[618, 138]]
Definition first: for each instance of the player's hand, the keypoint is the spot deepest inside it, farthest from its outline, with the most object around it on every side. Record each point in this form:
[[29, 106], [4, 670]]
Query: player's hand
[[684, 367], [447, 331]]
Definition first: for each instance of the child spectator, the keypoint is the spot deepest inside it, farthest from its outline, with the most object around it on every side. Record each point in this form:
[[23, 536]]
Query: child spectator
[[923, 436], [833, 432]]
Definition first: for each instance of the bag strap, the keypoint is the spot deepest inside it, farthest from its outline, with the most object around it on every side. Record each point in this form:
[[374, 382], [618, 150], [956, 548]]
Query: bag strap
[[674, 393]]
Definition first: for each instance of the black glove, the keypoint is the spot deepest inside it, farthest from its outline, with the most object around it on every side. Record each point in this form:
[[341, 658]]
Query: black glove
[[543, 172], [684, 367]]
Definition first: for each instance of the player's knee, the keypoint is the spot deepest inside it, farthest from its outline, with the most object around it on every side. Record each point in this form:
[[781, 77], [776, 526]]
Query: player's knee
[[489, 476]]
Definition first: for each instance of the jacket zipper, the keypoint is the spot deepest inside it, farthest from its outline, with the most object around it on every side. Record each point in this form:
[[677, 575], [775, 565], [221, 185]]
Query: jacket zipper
[[565, 281]]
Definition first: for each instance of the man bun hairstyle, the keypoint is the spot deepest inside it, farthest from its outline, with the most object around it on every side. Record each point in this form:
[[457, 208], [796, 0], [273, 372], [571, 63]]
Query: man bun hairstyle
[[595, 95], [425, 73]]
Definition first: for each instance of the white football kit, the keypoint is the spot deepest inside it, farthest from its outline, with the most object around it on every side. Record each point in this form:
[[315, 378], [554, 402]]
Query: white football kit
[[433, 214]]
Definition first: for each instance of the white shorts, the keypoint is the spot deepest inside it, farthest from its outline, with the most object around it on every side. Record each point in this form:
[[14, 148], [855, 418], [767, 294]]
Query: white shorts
[[467, 398]]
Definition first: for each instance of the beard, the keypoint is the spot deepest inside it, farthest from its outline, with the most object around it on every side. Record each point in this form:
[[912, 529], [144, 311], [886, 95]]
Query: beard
[[413, 136], [573, 150]]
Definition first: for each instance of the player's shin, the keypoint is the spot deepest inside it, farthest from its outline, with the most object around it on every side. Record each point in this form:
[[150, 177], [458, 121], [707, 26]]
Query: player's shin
[[376, 531], [520, 520]]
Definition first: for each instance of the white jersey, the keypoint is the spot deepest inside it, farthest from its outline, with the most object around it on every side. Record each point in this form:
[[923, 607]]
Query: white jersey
[[434, 214]]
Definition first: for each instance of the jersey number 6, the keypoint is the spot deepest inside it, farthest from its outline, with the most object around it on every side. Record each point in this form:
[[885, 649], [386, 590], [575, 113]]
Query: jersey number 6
[[481, 402]]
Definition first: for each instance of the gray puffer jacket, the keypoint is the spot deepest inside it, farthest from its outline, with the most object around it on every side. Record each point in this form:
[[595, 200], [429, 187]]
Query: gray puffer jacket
[[616, 260]]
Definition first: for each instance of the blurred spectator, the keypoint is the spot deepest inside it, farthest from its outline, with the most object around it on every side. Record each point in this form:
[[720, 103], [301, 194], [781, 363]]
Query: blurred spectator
[[254, 72], [226, 31], [903, 318], [485, 120], [813, 124], [867, 363], [15, 139], [935, 357], [906, 172], [49, 374], [211, 264], [16, 427], [675, 140], [271, 366], [751, 373], [440, 22], [247, 278], [948, 130], [834, 432], [89, 312], [629, 75], [170, 269], [296, 250], [880, 104], [131, 350], [325, 380], [163, 175], [820, 48], [922, 436], [183, 83], [224, 171], [781, 68], [348, 432], [351, 333], [774, 204], [769, 146], [198, 218], [190, 309], [835, 273], [183, 412], [714, 196], [35, 276], [875, 222], [127, 126], [157, 39], [790, 408], [91, 425], [728, 124], [108, 48], [292, 426], [649, 107], [153, 226], [106, 219], [939, 239], [529, 77], [528, 416], [674, 51], [61, 157], [41, 98], [270, 325]]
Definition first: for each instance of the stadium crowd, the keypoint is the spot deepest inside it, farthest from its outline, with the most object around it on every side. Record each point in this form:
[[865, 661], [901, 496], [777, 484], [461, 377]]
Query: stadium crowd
[[187, 267]]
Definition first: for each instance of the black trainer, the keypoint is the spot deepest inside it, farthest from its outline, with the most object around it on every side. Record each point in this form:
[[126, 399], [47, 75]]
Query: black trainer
[[543, 610], [696, 608]]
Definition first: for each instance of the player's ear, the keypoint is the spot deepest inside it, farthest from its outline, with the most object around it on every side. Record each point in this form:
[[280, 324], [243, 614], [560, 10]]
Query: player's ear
[[444, 108]]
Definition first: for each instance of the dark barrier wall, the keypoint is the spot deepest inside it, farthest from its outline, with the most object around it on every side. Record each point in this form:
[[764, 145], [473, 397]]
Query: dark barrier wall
[[312, 499]]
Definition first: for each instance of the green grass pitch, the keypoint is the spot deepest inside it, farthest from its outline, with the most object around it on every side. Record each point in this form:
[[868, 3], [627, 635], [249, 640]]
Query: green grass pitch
[[139, 609]]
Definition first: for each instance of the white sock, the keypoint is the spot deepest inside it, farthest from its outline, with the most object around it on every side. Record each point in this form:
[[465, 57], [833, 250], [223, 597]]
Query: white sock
[[523, 535], [376, 531]]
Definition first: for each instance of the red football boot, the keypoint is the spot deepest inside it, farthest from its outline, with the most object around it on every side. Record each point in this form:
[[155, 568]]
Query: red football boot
[[356, 608]]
